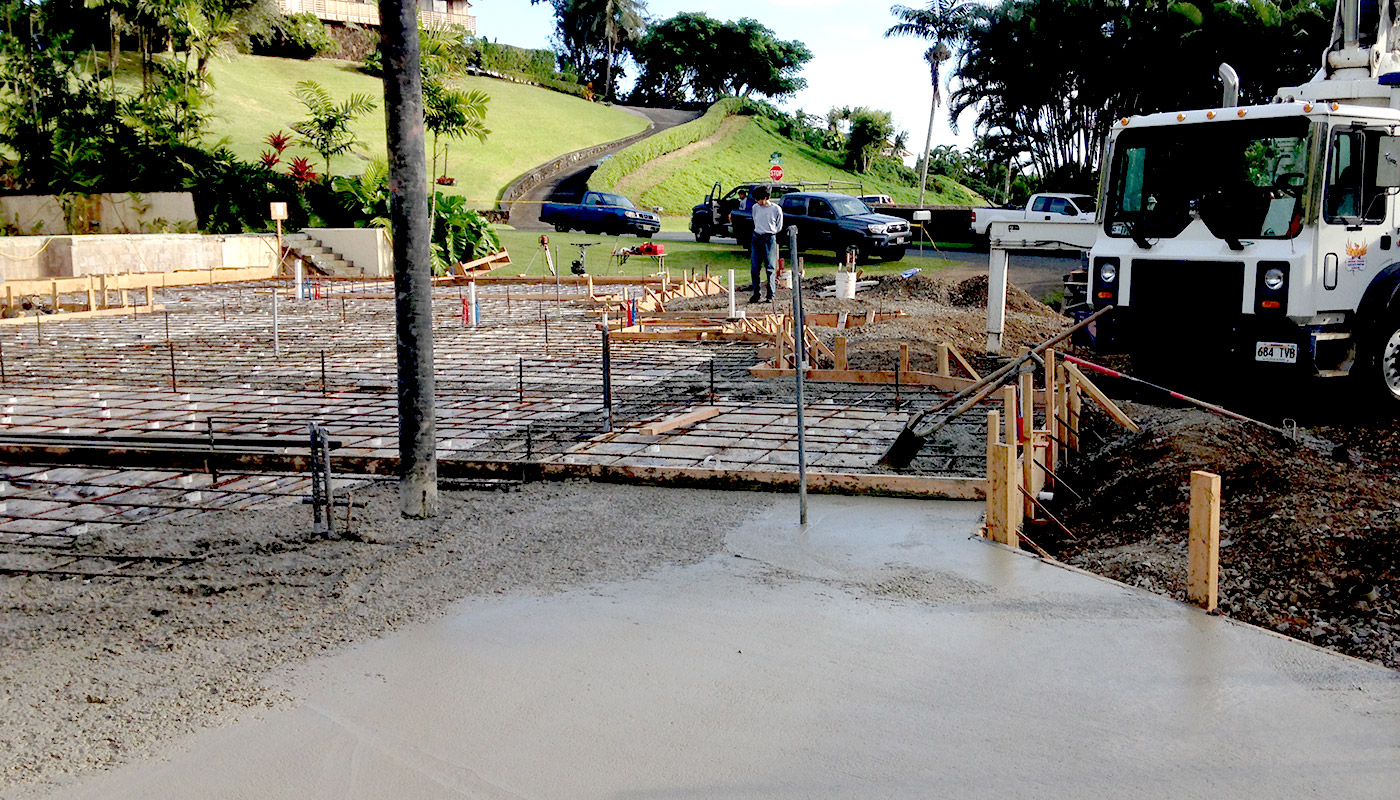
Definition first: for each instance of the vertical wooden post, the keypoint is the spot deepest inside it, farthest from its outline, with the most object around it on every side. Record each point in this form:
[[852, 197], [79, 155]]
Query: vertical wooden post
[[57, 305], [151, 299], [1003, 510], [944, 368], [1052, 406], [904, 358], [1062, 409], [1028, 446], [92, 296], [9, 296], [838, 350], [1202, 581], [993, 439], [1073, 408], [102, 281], [1008, 408]]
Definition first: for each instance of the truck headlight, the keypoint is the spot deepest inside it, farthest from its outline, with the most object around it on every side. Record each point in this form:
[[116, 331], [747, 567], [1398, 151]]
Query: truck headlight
[[1108, 272], [878, 227], [1273, 279]]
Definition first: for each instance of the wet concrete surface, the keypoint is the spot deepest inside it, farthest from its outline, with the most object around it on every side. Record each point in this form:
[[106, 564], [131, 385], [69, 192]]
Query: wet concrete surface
[[880, 652], [565, 185]]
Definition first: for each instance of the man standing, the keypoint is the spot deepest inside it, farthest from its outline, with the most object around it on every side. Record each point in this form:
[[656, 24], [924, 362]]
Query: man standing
[[763, 249]]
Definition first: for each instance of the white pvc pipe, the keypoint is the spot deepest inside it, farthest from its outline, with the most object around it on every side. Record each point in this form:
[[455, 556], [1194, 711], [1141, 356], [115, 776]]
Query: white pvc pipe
[[997, 262], [276, 345], [476, 312], [299, 276], [732, 314]]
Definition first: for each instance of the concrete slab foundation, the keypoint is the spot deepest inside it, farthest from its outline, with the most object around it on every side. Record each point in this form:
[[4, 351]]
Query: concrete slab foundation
[[880, 652]]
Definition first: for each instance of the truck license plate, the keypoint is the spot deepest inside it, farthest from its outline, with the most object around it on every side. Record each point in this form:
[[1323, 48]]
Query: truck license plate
[[1276, 352]]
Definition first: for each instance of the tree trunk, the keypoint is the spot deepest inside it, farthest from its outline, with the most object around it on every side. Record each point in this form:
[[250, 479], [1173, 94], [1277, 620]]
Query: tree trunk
[[113, 23], [607, 77], [412, 234], [928, 141]]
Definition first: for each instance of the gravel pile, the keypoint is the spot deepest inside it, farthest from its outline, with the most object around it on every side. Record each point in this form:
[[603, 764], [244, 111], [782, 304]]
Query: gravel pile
[[1310, 534]]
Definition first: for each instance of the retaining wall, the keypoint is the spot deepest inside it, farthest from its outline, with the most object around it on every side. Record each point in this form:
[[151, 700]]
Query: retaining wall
[[31, 257]]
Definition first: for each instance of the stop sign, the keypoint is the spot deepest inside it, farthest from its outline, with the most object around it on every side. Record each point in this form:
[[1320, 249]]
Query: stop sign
[[775, 172]]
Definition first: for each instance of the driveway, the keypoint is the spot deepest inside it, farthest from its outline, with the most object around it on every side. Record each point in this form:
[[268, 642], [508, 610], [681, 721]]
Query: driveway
[[525, 211]]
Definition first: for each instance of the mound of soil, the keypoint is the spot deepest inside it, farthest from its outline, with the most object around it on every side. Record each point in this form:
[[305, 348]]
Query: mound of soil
[[1310, 533]]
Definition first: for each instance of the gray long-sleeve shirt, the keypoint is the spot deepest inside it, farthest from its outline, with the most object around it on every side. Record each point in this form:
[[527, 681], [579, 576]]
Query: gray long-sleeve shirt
[[767, 218]]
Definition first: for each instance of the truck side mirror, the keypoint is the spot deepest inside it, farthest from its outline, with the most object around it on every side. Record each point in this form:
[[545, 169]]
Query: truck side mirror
[[1388, 163]]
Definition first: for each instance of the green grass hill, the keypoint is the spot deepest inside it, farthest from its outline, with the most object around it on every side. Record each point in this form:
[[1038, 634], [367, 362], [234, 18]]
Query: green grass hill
[[529, 126], [738, 152]]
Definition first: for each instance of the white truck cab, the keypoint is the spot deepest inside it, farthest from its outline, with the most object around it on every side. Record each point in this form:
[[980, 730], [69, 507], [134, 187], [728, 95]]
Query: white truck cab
[[1262, 238]]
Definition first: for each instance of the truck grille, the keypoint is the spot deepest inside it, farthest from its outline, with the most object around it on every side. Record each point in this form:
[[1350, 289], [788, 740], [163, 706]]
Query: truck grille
[[897, 227], [1178, 309]]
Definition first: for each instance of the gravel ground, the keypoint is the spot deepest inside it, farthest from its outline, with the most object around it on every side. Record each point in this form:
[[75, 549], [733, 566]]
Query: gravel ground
[[96, 672], [1310, 533]]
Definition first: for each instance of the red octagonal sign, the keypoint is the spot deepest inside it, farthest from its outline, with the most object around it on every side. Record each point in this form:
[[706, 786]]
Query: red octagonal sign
[[775, 172]]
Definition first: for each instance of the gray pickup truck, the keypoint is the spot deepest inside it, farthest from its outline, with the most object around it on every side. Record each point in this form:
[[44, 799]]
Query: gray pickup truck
[[836, 222]]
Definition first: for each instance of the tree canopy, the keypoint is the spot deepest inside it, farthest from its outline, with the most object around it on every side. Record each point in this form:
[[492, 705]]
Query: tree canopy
[[694, 56], [1046, 78]]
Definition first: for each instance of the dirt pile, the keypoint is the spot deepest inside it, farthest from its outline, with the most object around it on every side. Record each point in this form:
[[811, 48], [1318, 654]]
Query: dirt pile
[[1310, 536], [942, 310]]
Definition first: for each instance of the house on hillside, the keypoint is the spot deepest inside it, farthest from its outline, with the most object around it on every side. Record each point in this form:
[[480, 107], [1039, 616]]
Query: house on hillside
[[433, 13]]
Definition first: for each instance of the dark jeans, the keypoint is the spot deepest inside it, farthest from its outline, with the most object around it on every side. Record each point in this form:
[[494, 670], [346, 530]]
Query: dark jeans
[[763, 252]]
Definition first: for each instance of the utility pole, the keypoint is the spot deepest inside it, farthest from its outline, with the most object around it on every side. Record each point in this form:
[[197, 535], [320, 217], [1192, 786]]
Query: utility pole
[[412, 231]]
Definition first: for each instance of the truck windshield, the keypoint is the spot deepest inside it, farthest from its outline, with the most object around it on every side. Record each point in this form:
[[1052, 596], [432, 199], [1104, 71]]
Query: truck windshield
[[609, 199], [1243, 179], [849, 206]]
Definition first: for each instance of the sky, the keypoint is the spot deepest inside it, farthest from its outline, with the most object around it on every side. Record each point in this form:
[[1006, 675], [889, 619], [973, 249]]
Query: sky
[[853, 63]]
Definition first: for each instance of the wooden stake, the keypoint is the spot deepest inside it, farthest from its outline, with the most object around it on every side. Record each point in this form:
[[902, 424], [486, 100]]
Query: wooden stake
[[92, 295], [1008, 409], [1202, 582], [1109, 407], [944, 368], [838, 348], [904, 357], [1073, 408], [1052, 406], [993, 428], [57, 305], [1003, 517], [1027, 440]]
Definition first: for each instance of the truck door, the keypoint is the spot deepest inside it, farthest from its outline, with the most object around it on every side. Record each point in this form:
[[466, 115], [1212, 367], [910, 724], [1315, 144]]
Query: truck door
[[712, 203], [822, 220], [1042, 207], [1355, 216]]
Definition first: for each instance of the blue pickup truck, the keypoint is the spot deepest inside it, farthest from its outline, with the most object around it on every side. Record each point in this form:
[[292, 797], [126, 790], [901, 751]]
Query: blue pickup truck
[[601, 212]]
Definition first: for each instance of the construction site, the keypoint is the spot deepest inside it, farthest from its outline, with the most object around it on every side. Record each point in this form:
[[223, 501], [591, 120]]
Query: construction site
[[216, 447]]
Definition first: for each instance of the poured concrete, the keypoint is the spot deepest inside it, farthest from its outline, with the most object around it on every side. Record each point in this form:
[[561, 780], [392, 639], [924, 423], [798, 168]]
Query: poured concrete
[[879, 653]]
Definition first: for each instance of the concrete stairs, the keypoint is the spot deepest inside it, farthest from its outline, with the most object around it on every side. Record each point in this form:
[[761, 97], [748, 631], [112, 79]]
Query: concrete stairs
[[320, 258]]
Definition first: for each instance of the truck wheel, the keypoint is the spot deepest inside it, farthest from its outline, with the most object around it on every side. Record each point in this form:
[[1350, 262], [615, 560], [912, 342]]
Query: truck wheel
[[702, 236], [1382, 374], [561, 228]]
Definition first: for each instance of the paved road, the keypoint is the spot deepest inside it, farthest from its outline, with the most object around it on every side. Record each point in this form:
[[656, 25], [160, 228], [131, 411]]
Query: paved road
[[877, 652], [1036, 273], [525, 212]]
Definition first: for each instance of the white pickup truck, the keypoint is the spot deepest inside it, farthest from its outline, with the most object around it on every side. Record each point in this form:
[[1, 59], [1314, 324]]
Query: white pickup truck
[[1040, 208]]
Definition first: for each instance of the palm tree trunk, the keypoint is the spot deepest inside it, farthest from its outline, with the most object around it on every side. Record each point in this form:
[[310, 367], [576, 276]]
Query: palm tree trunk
[[607, 77], [928, 144]]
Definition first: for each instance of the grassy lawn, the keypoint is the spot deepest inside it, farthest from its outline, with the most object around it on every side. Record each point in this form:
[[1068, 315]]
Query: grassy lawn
[[680, 256], [529, 125], [743, 155]]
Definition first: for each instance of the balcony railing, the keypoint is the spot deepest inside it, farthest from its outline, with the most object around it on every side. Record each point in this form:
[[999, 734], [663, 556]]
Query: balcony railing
[[364, 13]]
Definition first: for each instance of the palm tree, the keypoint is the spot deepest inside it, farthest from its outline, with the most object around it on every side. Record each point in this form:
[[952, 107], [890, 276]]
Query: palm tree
[[618, 23], [943, 22]]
